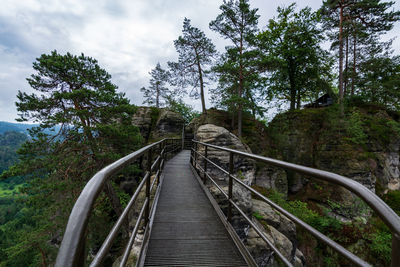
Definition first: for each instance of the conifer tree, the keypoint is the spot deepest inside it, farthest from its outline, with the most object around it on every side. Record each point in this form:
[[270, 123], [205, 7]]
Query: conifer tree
[[195, 55], [95, 129], [156, 93], [362, 22], [237, 23]]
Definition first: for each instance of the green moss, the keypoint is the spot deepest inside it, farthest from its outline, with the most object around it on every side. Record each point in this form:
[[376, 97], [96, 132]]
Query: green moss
[[155, 113], [258, 216], [392, 198]]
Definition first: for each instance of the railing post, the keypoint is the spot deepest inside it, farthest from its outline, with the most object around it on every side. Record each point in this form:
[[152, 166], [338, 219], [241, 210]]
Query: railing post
[[195, 156], [159, 163], [395, 250], [147, 209], [191, 152], [205, 165], [183, 137], [230, 187]]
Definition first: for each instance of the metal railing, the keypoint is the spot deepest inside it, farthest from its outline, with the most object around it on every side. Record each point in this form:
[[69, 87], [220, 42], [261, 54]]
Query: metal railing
[[72, 249], [388, 216]]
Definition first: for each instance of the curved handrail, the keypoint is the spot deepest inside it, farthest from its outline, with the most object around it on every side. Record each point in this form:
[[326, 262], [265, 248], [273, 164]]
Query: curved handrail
[[388, 216], [73, 243]]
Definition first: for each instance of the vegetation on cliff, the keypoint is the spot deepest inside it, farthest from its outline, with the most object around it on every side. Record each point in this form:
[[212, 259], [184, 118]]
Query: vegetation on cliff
[[96, 129]]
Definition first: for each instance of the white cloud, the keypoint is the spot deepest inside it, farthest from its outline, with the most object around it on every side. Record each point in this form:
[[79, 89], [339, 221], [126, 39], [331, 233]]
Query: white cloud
[[127, 37]]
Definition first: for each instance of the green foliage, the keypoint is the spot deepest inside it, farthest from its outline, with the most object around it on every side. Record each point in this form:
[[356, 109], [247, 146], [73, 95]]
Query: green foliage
[[299, 68], [379, 81], [392, 198], [301, 210], [178, 106], [156, 93], [9, 143], [381, 245], [95, 129], [237, 70], [258, 216], [195, 56], [355, 128]]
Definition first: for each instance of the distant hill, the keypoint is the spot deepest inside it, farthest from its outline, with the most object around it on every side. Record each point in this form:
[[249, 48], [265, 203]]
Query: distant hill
[[19, 127]]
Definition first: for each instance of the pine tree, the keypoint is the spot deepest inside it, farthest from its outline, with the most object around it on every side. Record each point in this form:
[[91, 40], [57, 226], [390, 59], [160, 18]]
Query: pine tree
[[76, 94], [156, 93], [335, 10], [237, 23], [195, 55], [362, 22]]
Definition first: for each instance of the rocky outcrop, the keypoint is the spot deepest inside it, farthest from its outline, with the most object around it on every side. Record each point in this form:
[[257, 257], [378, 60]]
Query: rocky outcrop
[[143, 120], [244, 168], [270, 216], [264, 255], [155, 123], [270, 177], [278, 229], [169, 123], [364, 146]]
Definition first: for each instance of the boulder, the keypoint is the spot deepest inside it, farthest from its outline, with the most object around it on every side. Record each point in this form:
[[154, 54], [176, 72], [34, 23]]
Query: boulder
[[272, 178], [143, 119], [155, 123], [244, 168], [263, 254], [169, 123], [275, 219]]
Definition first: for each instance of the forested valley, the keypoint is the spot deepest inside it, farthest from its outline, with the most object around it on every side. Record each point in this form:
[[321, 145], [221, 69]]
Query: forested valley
[[334, 60]]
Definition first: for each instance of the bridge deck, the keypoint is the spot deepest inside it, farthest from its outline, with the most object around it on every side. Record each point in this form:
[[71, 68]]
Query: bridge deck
[[186, 229]]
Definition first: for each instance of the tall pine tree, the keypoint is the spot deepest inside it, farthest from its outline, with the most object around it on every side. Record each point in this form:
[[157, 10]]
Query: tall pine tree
[[195, 56], [237, 23]]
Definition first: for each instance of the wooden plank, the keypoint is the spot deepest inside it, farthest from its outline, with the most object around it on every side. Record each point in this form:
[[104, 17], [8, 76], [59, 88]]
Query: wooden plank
[[186, 229]]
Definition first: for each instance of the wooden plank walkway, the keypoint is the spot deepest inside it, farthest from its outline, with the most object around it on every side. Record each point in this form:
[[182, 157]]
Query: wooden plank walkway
[[186, 229]]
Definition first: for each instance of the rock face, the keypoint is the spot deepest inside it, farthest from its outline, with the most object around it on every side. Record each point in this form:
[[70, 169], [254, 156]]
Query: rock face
[[272, 178], [143, 119], [244, 168], [280, 231], [364, 146], [169, 123], [264, 255], [158, 123]]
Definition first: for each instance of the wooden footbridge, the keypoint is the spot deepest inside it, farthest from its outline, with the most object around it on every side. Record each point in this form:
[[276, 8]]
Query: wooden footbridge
[[182, 223]]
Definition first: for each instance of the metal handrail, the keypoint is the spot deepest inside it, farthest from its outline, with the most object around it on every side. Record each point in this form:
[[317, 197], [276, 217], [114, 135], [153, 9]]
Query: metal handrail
[[388, 216], [72, 249]]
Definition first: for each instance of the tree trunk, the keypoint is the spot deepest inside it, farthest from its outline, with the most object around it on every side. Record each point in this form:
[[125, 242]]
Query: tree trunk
[[346, 66], [353, 77], [298, 100], [292, 83], [240, 108], [233, 120], [240, 91], [203, 103], [341, 59], [157, 96]]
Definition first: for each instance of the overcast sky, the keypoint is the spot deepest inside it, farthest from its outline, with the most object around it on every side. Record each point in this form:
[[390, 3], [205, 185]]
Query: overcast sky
[[127, 37]]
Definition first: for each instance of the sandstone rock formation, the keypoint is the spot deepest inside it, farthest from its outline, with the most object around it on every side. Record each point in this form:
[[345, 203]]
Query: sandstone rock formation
[[158, 123], [244, 168]]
